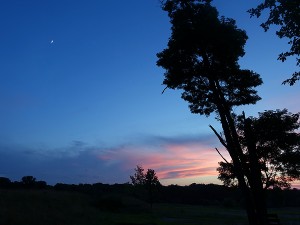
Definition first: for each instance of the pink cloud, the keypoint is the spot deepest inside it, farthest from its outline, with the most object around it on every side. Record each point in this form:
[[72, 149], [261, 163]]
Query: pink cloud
[[170, 161], [179, 161], [296, 184], [191, 160]]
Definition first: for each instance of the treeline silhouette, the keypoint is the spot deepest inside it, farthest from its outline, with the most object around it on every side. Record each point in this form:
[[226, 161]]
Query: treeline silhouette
[[27, 182], [194, 194]]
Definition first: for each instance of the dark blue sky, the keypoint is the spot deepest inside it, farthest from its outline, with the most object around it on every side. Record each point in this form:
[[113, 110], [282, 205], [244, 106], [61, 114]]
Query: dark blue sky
[[80, 92]]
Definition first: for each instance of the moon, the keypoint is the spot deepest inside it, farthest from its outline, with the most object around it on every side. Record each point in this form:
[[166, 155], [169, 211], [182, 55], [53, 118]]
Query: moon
[[51, 42]]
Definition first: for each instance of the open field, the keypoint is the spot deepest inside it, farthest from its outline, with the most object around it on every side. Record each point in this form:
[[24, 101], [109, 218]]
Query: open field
[[22, 207]]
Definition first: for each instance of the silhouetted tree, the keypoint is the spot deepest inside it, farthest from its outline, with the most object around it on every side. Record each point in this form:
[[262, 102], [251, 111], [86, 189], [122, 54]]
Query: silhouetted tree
[[277, 145], [147, 180], [139, 177], [28, 181], [286, 15], [5, 182], [41, 184], [151, 183], [202, 60]]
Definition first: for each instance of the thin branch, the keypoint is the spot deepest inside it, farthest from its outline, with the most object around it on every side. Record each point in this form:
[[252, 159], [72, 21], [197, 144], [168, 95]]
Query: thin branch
[[221, 155], [219, 136], [164, 90]]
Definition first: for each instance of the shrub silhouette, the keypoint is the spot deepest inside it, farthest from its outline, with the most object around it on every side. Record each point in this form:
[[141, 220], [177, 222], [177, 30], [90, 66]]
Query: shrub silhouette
[[28, 181], [5, 182]]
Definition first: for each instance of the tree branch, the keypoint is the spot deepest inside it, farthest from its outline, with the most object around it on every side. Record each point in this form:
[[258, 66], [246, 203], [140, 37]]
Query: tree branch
[[219, 137], [221, 155], [164, 90]]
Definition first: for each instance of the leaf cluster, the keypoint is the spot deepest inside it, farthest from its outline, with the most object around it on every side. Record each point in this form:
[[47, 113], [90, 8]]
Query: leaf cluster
[[202, 56], [277, 146], [286, 15], [147, 179]]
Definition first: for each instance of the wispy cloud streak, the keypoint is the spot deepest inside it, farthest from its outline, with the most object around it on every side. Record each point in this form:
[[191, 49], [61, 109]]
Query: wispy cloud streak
[[170, 157]]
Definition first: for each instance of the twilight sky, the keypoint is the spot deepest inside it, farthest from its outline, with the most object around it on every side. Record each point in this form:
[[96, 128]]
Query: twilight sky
[[80, 92]]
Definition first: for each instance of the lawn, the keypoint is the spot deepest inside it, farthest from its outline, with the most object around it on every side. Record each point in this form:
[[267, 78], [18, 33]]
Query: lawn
[[26, 207]]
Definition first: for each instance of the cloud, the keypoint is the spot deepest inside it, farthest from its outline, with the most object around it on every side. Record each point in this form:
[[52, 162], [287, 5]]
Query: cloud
[[73, 164], [176, 160], [296, 184], [171, 157]]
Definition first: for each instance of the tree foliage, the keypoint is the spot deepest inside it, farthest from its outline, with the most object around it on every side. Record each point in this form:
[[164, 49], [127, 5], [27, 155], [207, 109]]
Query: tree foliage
[[286, 15], [151, 180], [4, 182], [277, 146], [28, 181], [148, 179], [201, 59], [139, 177]]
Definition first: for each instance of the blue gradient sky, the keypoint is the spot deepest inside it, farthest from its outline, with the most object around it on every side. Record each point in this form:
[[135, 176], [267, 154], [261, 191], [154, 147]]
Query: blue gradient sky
[[88, 107]]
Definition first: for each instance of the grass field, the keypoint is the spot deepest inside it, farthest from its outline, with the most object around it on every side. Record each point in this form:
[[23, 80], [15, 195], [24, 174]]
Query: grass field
[[27, 207]]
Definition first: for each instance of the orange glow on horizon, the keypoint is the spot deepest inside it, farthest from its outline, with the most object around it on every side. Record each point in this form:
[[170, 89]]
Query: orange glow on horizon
[[171, 161]]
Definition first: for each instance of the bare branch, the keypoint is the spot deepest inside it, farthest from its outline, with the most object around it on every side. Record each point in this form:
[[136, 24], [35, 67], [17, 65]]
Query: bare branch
[[164, 90], [221, 155], [219, 137]]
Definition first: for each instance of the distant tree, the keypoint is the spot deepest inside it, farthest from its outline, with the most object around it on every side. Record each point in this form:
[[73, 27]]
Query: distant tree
[[151, 180], [202, 60], [151, 183], [139, 177], [41, 184], [286, 15], [277, 144], [147, 180], [62, 187], [28, 181], [5, 182]]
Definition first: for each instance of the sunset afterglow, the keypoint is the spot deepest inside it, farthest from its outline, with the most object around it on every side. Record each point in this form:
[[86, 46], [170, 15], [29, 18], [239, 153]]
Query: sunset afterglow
[[171, 161], [81, 95]]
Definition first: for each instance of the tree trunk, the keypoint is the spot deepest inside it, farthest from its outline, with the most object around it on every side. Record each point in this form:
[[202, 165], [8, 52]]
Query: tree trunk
[[236, 153], [238, 170], [255, 174]]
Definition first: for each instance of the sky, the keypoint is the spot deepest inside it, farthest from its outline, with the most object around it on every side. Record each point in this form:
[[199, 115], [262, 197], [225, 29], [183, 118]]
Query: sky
[[81, 96]]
